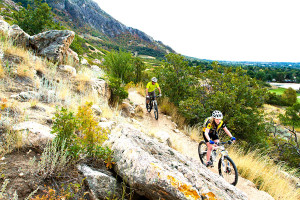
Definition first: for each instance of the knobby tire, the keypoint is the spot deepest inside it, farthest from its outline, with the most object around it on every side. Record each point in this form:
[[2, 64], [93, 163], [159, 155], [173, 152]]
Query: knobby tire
[[202, 149], [232, 180]]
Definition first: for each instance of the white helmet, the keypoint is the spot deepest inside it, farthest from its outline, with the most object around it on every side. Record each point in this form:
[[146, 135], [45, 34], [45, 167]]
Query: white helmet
[[154, 79], [217, 115]]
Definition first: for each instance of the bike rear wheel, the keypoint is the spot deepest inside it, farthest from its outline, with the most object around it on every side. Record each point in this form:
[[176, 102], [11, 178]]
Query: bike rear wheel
[[155, 111], [228, 170], [202, 150]]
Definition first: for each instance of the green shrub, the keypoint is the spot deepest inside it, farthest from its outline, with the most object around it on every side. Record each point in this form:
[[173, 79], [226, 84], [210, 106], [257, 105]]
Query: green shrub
[[118, 93], [80, 134], [64, 126], [91, 136]]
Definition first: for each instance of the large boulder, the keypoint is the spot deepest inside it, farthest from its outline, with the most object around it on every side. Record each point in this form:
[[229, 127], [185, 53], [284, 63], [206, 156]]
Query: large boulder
[[33, 133], [52, 44], [157, 171], [101, 87], [4, 26], [20, 37]]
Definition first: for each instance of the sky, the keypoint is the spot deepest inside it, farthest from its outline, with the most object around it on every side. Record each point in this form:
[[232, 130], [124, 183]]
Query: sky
[[232, 30]]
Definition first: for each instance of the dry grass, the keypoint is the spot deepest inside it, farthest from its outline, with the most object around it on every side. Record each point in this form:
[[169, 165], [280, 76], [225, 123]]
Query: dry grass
[[168, 108], [83, 80], [194, 132], [272, 112], [11, 50], [265, 174], [2, 71], [141, 89], [25, 71]]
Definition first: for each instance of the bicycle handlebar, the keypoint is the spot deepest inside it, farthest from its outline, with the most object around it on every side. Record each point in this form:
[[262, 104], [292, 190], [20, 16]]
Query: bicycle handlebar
[[228, 142]]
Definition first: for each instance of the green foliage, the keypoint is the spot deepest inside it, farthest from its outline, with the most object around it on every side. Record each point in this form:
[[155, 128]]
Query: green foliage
[[118, 65], [289, 96], [36, 18], [81, 134], [175, 78], [91, 136], [118, 92], [235, 94], [64, 126], [291, 116], [139, 67], [78, 45]]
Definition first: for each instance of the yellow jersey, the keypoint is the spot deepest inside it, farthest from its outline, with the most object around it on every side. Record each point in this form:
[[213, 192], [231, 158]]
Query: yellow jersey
[[152, 87]]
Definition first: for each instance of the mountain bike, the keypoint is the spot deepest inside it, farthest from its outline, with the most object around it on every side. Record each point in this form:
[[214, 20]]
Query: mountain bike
[[153, 104], [226, 166]]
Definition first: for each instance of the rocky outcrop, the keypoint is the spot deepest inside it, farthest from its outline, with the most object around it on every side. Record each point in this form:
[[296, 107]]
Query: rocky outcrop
[[156, 171], [101, 87], [34, 134], [18, 36], [52, 44]]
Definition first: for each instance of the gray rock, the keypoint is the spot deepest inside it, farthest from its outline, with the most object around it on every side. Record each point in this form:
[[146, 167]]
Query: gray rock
[[4, 26], [68, 69], [101, 87], [53, 44], [157, 171], [34, 134], [163, 137], [29, 95], [97, 110], [107, 125], [18, 35], [101, 184]]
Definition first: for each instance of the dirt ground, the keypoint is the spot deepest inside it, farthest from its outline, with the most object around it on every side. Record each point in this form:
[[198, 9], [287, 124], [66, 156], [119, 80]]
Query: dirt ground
[[186, 145]]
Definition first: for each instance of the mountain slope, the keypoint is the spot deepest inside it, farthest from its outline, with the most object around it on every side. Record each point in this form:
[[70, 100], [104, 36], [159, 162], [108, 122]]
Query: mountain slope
[[85, 16]]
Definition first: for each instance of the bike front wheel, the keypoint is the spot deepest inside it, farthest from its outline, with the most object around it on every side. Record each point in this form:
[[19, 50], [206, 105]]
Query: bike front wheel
[[155, 111], [228, 170], [202, 151]]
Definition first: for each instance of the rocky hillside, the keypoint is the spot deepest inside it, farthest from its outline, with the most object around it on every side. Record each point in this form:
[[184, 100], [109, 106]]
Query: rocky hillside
[[145, 166], [86, 18]]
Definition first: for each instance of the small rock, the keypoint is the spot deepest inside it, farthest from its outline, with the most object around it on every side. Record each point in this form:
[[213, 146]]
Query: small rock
[[176, 131], [21, 174], [3, 158]]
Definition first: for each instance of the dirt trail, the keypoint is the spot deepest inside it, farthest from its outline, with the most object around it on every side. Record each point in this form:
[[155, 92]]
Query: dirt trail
[[185, 145]]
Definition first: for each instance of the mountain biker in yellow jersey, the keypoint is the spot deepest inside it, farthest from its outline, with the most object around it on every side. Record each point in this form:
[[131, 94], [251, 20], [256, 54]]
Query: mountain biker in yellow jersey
[[150, 90], [211, 127]]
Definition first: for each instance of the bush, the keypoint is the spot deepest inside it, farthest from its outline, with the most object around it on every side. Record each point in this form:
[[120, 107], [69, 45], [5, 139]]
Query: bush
[[118, 93], [118, 65], [80, 134]]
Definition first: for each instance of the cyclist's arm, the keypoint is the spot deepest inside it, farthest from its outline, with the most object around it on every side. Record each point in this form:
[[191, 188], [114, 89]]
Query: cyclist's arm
[[159, 90], [227, 132], [206, 134], [146, 91]]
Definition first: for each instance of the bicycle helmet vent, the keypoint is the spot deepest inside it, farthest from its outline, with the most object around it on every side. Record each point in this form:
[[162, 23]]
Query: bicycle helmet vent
[[217, 115], [154, 79]]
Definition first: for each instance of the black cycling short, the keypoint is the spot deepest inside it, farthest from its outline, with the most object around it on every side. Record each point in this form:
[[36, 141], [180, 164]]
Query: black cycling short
[[212, 136]]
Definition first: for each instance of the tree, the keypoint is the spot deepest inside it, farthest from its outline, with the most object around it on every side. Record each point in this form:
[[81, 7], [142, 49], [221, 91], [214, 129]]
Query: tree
[[118, 65], [175, 78], [36, 18], [291, 116], [238, 96], [289, 96], [139, 66]]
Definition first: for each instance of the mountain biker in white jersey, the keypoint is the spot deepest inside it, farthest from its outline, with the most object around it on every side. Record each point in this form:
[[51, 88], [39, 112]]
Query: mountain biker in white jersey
[[211, 127], [150, 90]]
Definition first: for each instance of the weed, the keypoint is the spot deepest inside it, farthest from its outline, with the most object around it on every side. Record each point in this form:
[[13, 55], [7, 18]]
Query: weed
[[54, 159]]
